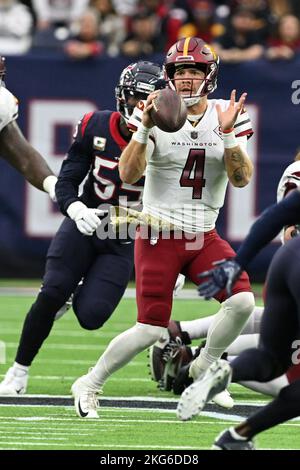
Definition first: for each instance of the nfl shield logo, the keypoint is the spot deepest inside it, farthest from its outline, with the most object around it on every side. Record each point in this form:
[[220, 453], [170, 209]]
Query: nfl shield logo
[[194, 135]]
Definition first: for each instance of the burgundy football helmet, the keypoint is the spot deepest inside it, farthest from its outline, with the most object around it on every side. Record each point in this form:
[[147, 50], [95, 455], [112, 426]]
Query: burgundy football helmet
[[2, 69], [193, 52]]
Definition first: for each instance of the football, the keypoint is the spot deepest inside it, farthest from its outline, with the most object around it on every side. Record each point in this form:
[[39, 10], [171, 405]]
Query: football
[[169, 111]]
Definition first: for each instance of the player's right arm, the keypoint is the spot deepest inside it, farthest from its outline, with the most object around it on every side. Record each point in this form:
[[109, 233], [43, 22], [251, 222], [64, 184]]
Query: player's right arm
[[132, 163], [133, 160]]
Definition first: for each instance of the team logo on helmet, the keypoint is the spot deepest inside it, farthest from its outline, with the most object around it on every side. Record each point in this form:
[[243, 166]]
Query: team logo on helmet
[[137, 81]]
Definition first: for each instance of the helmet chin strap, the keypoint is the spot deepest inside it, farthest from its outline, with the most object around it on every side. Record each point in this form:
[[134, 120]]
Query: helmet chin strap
[[191, 100]]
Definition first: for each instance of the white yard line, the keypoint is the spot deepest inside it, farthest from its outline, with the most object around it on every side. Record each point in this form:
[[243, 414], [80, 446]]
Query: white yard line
[[104, 446], [74, 377], [132, 399], [117, 446], [37, 433], [77, 362], [70, 347], [129, 293], [67, 333]]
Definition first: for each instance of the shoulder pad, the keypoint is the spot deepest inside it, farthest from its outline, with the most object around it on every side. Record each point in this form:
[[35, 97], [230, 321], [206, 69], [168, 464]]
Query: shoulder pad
[[8, 107]]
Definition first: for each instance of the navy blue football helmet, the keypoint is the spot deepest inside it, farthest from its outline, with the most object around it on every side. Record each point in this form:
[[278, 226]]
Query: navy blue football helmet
[[137, 81]]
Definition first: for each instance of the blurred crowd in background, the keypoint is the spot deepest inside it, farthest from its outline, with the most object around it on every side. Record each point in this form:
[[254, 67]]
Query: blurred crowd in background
[[240, 30]]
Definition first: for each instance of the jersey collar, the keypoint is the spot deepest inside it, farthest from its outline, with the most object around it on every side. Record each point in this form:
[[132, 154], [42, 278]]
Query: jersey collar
[[114, 123]]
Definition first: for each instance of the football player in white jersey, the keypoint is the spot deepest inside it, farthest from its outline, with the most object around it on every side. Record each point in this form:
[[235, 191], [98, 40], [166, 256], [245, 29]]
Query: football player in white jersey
[[15, 149], [186, 177]]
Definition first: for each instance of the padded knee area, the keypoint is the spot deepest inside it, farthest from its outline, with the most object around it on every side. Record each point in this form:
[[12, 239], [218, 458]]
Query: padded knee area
[[157, 313], [291, 393], [239, 305], [257, 364], [58, 284], [92, 313], [152, 333], [140, 337]]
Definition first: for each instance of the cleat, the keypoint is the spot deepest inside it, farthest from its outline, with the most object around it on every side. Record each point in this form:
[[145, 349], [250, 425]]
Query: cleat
[[14, 382], [85, 398], [226, 441], [182, 380], [224, 399], [214, 380], [64, 308], [159, 354]]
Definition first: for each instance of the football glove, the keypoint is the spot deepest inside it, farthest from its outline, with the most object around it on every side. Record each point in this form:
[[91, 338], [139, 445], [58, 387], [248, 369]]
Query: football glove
[[49, 186], [223, 276], [86, 219]]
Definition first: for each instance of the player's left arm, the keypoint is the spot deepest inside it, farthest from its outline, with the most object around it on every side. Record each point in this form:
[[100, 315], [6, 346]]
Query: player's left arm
[[238, 165], [21, 155], [266, 227]]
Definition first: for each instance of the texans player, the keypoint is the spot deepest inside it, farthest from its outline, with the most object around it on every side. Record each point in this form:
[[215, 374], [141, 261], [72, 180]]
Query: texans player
[[186, 178], [76, 251], [15, 148]]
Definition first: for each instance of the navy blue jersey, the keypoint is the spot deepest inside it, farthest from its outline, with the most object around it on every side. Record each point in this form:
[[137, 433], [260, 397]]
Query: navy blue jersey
[[95, 153], [268, 225]]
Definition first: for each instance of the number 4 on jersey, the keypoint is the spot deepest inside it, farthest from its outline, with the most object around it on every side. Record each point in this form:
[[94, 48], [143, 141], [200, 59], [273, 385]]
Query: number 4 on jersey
[[192, 174]]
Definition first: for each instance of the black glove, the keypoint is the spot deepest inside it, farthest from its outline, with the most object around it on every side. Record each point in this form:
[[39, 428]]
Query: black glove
[[223, 276]]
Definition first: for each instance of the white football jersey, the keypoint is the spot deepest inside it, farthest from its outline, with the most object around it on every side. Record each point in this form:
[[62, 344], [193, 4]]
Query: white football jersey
[[290, 180], [8, 107], [186, 178]]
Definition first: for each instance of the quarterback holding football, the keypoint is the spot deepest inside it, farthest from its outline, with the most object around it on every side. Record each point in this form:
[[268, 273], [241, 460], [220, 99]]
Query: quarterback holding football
[[186, 176]]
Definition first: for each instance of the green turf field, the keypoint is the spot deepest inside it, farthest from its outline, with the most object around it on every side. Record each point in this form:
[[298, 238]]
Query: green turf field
[[69, 352]]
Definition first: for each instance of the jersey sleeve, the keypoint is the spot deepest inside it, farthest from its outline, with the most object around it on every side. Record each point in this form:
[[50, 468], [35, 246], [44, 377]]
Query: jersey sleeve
[[289, 180], [76, 164], [268, 225], [243, 125], [8, 107]]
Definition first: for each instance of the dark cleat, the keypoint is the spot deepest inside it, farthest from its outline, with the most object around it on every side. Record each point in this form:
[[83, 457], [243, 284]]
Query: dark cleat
[[226, 441]]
